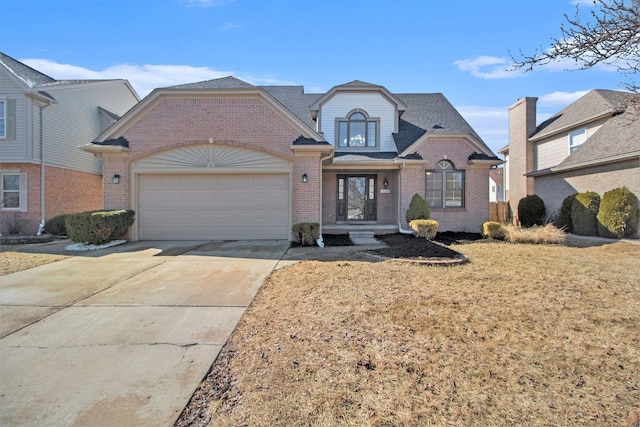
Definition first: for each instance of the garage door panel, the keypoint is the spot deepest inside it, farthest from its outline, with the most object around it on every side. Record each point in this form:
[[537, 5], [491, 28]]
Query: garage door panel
[[213, 207]]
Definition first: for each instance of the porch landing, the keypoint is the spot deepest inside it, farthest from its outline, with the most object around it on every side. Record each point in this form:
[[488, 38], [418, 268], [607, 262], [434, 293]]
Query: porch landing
[[349, 228]]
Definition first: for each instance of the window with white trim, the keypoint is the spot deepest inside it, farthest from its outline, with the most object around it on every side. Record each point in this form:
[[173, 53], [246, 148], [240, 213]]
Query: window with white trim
[[14, 191], [357, 130], [576, 138], [445, 186]]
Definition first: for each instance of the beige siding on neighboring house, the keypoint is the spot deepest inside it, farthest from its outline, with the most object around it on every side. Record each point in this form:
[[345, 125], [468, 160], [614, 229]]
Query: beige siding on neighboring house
[[13, 150], [552, 151], [376, 106], [75, 121], [554, 188]]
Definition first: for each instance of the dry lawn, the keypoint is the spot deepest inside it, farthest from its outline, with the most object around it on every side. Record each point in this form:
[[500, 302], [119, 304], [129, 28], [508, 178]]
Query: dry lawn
[[529, 335], [14, 261]]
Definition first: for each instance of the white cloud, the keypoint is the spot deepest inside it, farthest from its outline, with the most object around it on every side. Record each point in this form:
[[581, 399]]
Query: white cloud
[[488, 67], [560, 100], [491, 123], [143, 78], [229, 26]]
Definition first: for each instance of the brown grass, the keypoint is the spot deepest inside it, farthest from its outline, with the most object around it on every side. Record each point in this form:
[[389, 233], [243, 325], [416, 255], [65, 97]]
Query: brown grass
[[545, 234], [14, 261], [523, 335]]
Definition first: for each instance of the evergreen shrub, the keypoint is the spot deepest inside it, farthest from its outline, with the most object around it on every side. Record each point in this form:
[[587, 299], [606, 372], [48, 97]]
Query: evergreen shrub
[[564, 219], [494, 230], [98, 227], [306, 233], [583, 213], [418, 208], [426, 228], [56, 225], [531, 211], [618, 213]]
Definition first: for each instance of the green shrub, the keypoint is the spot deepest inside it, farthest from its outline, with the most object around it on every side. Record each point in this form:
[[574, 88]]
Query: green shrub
[[531, 211], [418, 208], [494, 230], [564, 219], [306, 233], [618, 213], [56, 225], [98, 227], [583, 213], [426, 228]]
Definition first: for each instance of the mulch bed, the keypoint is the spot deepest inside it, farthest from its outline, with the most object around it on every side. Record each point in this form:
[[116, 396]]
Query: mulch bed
[[407, 246]]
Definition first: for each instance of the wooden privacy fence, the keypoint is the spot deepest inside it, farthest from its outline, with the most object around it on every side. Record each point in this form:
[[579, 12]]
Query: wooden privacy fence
[[500, 212]]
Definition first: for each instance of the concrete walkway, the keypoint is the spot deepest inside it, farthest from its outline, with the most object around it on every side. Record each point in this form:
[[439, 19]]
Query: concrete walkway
[[123, 336]]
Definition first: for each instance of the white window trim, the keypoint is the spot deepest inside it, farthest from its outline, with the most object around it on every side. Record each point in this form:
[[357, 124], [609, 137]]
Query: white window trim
[[368, 119], [574, 134], [22, 207]]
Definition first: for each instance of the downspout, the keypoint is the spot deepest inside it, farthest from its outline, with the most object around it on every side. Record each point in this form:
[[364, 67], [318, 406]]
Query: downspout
[[400, 229], [320, 241], [42, 166]]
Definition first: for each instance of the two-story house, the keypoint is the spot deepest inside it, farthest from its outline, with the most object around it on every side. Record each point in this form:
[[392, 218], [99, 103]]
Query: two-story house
[[591, 145], [223, 159], [42, 122]]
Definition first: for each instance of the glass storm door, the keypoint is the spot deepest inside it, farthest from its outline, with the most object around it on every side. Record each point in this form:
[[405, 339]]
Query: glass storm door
[[356, 198]]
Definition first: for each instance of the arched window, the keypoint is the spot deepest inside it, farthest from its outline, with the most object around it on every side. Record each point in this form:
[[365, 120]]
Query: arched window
[[357, 130], [445, 186]]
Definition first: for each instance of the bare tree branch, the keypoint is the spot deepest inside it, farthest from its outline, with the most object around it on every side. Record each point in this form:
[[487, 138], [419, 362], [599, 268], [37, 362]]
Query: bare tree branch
[[611, 36]]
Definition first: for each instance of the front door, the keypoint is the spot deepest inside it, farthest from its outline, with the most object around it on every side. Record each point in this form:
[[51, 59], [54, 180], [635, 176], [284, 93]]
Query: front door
[[356, 198]]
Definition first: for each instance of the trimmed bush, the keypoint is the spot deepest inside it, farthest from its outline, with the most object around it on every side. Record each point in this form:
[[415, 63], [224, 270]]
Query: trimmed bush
[[426, 228], [306, 233], [56, 225], [584, 210], [564, 219], [618, 213], [494, 230], [98, 227], [531, 211], [418, 208]]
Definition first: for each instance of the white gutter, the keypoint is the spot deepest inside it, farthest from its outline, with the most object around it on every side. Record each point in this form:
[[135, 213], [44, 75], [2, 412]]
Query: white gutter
[[320, 241], [42, 167]]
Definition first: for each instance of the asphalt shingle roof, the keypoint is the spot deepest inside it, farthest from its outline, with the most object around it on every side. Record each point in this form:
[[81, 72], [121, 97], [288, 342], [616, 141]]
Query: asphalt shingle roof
[[595, 103], [619, 136], [28, 75], [425, 112]]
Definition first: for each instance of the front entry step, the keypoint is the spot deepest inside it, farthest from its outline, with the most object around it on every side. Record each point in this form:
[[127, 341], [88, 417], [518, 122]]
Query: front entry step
[[362, 238]]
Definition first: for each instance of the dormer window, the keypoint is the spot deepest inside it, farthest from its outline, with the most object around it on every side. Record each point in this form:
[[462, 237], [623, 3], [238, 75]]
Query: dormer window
[[357, 130]]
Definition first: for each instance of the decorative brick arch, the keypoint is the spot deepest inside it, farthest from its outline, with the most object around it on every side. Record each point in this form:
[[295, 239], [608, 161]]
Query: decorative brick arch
[[211, 157], [237, 144]]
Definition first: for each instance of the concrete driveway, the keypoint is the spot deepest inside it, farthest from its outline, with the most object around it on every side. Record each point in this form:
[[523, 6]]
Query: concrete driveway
[[124, 335]]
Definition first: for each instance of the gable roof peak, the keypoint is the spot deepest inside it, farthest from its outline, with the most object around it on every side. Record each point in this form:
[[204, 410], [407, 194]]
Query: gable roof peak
[[359, 84], [229, 82]]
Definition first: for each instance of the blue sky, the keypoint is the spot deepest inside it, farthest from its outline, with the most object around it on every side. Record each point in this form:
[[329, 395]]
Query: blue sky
[[457, 47]]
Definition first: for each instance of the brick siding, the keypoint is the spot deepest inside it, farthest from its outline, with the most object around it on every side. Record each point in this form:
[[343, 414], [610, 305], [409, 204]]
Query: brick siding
[[67, 191]]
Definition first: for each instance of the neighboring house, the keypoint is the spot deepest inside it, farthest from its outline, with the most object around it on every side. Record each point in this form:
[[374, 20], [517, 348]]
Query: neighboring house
[[496, 185], [223, 159], [42, 122], [591, 145]]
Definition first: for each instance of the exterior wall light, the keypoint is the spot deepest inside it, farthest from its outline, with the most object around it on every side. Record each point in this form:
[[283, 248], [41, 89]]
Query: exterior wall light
[[116, 179], [385, 182], [304, 178]]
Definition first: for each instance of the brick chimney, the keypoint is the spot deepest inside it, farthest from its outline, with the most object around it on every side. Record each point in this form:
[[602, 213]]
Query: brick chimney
[[522, 123]]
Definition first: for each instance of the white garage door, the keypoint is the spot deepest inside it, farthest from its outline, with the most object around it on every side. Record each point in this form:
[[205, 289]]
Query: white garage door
[[213, 207]]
